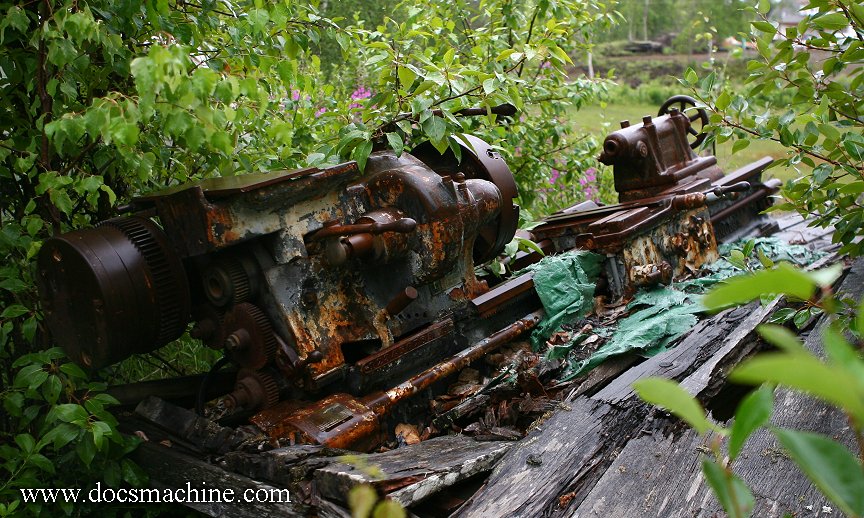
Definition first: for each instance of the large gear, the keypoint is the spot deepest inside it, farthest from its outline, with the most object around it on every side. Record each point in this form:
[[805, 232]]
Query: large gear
[[113, 291], [172, 296]]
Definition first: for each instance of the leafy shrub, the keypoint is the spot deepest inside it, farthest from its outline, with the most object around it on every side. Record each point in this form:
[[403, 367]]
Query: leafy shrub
[[816, 112], [61, 432]]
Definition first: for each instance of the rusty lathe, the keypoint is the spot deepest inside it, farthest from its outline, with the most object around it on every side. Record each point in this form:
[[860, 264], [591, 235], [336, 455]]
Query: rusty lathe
[[326, 286]]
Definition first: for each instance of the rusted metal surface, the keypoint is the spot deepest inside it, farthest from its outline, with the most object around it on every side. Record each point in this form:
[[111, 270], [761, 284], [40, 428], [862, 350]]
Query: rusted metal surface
[[343, 421], [319, 280], [650, 157], [112, 291], [405, 346]]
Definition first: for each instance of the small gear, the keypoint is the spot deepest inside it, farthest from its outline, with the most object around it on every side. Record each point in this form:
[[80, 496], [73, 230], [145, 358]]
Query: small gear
[[251, 340], [254, 390]]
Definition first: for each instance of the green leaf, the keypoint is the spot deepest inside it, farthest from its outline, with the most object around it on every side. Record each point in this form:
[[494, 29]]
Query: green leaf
[[435, 128], [73, 371], [86, 450], [753, 412], [737, 258], [70, 413], [764, 260], [361, 500], [361, 153], [764, 27], [26, 442], [30, 376], [41, 462], [51, 389], [827, 276], [807, 374], [669, 395], [744, 288], [61, 435], [388, 509], [782, 338], [731, 492], [830, 465], [801, 318], [723, 101], [13, 311], [841, 353], [690, 76], [831, 22], [740, 145], [396, 144]]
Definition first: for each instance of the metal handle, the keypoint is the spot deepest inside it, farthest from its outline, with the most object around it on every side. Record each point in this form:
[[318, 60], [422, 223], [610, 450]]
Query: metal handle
[[403, 226]]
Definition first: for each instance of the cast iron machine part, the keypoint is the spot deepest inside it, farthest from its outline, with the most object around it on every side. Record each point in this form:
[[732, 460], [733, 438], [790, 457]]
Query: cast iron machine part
[[296, 275], [322, 286]]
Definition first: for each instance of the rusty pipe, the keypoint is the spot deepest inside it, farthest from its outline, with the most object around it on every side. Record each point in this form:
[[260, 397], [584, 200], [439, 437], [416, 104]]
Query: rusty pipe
[[342, 421], [403, 225], [401, 301], [381, 402]]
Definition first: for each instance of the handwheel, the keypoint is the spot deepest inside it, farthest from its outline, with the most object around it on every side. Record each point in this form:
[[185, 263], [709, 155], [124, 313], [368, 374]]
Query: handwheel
[[686, 103]]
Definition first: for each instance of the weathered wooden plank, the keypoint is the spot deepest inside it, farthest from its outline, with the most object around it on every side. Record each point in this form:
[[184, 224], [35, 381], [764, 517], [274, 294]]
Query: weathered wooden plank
[[664, 467], [410, 474], [200, 433], [173, 470], [284, 467], [557, 465]]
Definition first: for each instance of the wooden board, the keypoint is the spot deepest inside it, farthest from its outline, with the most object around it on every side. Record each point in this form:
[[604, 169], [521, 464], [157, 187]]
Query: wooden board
[[411, 474], [170, 469], [586, 462], [557, 465], [663, 469]]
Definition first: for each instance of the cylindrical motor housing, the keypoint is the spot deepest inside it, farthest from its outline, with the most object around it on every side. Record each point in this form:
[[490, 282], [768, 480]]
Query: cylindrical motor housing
[[112, 291]]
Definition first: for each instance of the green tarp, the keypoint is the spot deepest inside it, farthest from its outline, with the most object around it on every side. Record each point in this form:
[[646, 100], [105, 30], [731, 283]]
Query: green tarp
[[565, 284], [659, 316]]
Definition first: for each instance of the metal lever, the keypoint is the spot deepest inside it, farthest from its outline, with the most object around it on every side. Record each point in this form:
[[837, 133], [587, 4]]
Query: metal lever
[[735, 187], [403, 226]]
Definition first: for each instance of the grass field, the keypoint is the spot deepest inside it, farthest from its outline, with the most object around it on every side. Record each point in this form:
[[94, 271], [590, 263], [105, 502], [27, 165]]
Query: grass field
[[606, 119]]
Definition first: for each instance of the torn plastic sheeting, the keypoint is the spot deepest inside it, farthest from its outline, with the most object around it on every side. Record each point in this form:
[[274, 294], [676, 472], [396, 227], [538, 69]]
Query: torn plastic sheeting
[[670, 314], [565, 284], [672, 310], [777, 249]]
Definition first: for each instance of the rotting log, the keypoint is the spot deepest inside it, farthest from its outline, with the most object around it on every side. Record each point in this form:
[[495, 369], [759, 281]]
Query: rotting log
[[172, 470]]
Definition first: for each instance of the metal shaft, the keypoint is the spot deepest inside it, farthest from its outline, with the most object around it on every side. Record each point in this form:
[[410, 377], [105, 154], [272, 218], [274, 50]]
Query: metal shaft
[[381, 402]]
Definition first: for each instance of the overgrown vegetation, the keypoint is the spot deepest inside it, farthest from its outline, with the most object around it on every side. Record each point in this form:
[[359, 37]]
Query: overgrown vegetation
[[817, 63], [103, 100]]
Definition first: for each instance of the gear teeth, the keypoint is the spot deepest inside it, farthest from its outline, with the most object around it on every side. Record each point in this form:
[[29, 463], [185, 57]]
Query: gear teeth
[[239, 279], [142, 233], [271, 388], [264, 326], [263, 344]]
